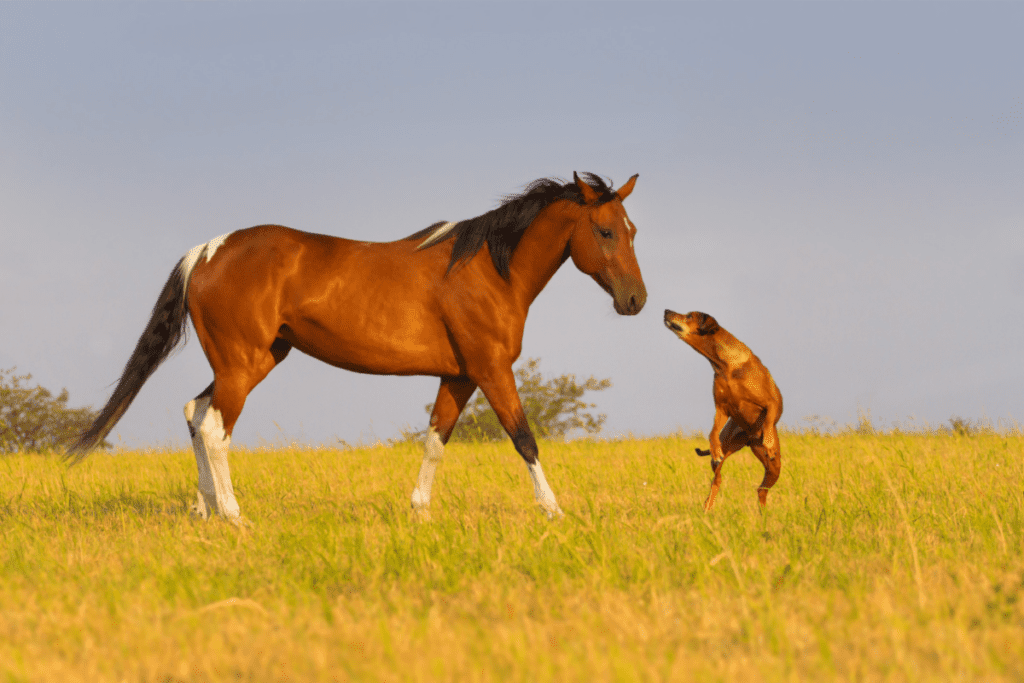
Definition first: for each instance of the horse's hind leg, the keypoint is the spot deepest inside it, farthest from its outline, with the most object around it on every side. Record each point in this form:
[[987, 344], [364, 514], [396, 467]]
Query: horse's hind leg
[[211, 418], [211, 442], [195, 413], [451, 399]]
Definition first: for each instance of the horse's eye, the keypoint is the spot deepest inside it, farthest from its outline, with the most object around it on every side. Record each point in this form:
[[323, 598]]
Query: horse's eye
[[607, 234]]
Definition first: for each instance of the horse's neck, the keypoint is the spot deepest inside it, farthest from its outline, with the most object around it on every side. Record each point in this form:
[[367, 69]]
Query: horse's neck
[[541, 251]]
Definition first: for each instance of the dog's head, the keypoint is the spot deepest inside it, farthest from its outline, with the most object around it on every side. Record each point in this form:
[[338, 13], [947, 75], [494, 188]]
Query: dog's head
[[690, 324]]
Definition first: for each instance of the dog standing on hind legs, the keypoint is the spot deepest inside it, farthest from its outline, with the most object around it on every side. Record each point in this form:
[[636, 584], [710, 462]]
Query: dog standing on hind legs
[[748, 405]]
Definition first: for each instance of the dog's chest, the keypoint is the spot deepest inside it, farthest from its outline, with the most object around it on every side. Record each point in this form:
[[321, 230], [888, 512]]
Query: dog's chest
[[736, 391]]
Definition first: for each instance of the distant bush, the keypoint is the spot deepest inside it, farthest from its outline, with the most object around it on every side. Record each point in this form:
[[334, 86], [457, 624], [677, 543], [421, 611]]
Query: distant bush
[[826, 426], [33, 419], [865, 426], [966, 427], [553, 408]]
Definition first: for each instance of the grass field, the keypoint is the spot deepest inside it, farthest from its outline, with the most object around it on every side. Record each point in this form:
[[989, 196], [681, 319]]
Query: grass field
[[881, 557]]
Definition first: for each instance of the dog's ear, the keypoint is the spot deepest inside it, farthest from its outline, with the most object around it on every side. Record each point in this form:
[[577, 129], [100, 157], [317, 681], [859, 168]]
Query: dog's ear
[[707, 325]]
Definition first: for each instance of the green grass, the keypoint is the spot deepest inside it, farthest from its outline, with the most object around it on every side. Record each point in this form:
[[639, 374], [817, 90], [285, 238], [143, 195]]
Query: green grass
[[880, 557]]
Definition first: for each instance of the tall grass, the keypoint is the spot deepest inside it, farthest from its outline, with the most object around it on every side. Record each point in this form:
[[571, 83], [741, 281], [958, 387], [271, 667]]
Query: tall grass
[[881, 556]]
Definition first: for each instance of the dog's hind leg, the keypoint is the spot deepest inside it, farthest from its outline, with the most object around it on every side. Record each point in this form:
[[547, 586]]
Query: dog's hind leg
[[769, 453], [724, 442]]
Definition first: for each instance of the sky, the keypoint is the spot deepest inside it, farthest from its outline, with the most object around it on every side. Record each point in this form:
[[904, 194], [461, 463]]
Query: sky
[[839, 184]]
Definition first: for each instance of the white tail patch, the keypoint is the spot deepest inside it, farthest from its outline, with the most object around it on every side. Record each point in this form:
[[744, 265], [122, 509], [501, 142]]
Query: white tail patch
[[214, 244], [436, 236], [195, 253]]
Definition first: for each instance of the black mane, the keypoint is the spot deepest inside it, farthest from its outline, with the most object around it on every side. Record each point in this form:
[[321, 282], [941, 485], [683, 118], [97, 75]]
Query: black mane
[[501, 228]]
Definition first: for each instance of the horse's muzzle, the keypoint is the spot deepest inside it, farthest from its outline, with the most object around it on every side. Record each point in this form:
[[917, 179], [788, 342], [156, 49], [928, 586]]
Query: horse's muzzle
[[629, 295]]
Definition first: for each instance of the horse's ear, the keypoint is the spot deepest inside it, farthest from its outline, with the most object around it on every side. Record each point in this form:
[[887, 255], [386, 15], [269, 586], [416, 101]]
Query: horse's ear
[[589, 194], [624, 191], [708, 325]]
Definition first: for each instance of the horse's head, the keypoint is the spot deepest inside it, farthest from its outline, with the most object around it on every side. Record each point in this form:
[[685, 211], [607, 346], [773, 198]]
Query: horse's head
[[601, 246]]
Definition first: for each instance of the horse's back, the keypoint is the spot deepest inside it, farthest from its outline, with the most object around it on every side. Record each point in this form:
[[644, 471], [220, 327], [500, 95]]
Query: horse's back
[[364, 306]]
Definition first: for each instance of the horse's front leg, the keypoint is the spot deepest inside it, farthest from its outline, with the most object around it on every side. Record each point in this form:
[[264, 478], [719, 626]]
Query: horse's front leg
[[500, 391], [451, 399]]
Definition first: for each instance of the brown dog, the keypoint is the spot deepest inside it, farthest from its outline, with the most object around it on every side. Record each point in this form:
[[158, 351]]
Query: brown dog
[[747, 402]]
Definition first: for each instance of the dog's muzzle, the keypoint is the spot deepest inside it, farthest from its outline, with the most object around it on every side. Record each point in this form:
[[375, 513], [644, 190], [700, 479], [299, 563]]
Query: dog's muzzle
[[669, 323]]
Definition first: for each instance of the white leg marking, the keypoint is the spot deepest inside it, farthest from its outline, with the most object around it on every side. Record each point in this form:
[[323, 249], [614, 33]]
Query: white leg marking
[[211, 445], [437, 235], [202, 462], [433, 451], [542, 492]]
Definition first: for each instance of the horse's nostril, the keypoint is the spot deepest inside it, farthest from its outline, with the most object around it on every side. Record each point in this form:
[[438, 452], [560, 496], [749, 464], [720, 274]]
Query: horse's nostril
[[630, 298]]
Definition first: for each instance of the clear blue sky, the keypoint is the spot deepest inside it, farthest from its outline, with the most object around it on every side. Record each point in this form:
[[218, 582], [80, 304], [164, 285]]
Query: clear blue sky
[[839, 184]]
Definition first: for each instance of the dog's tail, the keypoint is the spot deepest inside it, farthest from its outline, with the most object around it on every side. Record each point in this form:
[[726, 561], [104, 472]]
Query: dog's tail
[[702, 453]]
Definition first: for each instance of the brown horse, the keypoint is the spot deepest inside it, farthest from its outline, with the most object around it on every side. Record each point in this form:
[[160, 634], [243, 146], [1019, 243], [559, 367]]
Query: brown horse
[[449, 301]]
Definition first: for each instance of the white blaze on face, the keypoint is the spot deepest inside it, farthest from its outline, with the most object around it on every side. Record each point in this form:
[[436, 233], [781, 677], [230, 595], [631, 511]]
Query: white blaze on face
[[628, 230]]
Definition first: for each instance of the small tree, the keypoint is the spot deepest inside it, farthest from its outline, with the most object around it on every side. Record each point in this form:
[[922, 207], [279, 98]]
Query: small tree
[[33, 419], [553, 408]]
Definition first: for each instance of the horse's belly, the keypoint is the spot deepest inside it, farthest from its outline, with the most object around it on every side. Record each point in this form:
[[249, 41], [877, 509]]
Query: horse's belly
[[376, 313], [378, 350]]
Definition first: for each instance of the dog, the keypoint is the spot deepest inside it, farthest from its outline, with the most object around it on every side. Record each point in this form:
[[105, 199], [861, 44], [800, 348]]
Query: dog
[[748, 405]]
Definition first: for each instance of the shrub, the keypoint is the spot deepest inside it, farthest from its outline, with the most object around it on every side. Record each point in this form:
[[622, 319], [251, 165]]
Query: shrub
[[33, 419], [553, 408]]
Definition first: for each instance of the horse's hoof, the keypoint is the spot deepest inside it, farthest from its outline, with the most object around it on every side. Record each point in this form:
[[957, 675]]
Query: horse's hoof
[[197, 510], [552, 512], [240, 522]]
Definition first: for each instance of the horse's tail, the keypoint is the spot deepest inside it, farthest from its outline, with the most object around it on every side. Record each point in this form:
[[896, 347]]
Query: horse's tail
[[164, 332]]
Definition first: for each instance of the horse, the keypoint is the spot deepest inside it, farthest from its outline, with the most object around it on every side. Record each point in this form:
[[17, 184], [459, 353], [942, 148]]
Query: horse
[[448, 301]]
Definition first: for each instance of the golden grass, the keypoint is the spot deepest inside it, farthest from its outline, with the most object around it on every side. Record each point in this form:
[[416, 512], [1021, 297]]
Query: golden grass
[[881, 557]]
